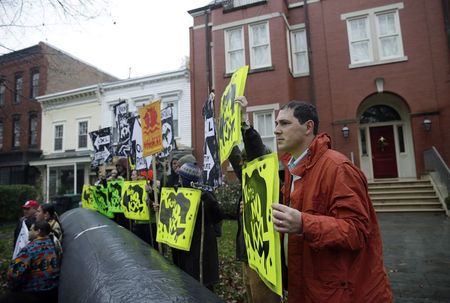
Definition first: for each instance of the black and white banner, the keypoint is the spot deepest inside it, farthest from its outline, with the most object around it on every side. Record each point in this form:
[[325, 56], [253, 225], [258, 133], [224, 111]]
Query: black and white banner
[[124, 123], [168, 139], [101, 140], [211, 163], [137, 152]]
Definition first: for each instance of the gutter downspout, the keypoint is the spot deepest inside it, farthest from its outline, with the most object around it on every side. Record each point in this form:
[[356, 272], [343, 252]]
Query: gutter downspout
[[312, 91]]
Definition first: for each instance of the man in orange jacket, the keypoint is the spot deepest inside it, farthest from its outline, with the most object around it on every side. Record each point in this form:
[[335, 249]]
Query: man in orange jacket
[[331, 238]]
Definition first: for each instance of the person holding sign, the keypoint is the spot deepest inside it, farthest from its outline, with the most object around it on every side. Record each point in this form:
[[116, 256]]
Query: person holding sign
[[254, 147], [207, 258], [331, 237]]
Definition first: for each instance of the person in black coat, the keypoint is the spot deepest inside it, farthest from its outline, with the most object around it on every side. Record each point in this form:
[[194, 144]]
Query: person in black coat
[[189, 261], [29, 216]]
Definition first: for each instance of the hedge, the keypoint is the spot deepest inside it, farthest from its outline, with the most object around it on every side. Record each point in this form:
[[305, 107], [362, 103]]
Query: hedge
[[228, 196], [12, 197]]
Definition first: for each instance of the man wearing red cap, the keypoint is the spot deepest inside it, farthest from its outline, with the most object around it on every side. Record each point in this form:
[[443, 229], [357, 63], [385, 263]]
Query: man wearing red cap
[[29, 210]]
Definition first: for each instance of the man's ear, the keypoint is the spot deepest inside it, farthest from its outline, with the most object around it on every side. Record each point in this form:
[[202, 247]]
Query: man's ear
[[310, 127]]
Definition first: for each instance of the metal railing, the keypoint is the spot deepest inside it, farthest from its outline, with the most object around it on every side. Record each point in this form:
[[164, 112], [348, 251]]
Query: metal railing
[[230, 4], [435, 163]]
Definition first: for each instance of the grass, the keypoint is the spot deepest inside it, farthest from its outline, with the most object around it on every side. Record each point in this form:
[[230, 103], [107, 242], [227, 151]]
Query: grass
[[6, 251], [230, 288]]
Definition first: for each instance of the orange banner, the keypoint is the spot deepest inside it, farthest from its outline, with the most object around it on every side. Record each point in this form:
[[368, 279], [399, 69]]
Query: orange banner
[[150, 117]]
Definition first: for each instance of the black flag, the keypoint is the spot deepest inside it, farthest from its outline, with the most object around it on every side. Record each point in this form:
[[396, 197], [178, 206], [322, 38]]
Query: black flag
[[212, 175], [168, 139]]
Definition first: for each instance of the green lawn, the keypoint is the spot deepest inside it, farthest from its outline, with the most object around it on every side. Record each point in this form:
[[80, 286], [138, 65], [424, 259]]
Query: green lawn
[[230, 287]]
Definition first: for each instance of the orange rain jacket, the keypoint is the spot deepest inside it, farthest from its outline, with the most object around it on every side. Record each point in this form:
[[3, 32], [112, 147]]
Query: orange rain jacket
[[338, 258]]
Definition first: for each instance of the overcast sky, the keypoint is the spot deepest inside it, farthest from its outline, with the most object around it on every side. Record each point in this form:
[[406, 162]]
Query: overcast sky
[[148, 36]]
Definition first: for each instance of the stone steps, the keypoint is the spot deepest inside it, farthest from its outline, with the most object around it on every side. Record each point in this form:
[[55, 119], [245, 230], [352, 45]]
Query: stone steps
[[404, 196]]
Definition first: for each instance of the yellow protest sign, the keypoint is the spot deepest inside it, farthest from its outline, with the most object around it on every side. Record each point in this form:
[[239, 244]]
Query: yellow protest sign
[[87, 199], [134, 200], [115, 195], [177, 215], [150, 117], [260, 188], [100, 195], [230, 113]]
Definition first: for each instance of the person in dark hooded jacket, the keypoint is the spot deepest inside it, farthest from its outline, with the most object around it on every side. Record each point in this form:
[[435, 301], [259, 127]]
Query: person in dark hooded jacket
[[189, 261]]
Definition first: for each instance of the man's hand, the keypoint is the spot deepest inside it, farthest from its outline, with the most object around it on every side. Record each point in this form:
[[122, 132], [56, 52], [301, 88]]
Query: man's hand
[[242, 101], [286, 219]]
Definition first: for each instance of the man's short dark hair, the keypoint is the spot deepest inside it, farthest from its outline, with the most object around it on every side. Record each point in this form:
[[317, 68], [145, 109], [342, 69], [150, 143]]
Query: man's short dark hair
[[43, 227], [304, 111]]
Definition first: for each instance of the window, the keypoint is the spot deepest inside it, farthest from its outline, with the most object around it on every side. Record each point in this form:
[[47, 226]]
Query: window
[[174, 105], [2, 92], [259, 45], [33, 130], [374, 35], [34, 84], [264, 124], [401, 140], [59, 132], [82, 134], [1, 134], [18, 89], [234, 49], [299, 53], [16, 131]]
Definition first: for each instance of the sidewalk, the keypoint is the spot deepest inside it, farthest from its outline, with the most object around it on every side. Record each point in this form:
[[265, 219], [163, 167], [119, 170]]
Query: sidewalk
[[417, 256]]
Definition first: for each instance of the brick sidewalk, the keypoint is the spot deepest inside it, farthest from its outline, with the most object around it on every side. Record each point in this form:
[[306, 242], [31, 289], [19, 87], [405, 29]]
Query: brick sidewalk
[[417, 255]]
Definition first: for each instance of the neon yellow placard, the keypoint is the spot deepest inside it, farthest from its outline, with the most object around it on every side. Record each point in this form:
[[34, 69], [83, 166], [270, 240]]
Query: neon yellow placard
[[134, 200], [100, 195], [261, 188], [87, 199], [115, 195], [177, 215], [230, 113]]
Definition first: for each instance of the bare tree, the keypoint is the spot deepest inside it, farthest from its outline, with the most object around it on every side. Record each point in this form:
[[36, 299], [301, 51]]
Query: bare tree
[[18, 17]]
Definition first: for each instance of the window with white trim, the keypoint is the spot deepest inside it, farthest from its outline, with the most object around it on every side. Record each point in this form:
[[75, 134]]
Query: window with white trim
[[1, 134], [234, 49], [82, 134], [16, 131], [264, 122], [32, 141], [374, 35], [2, 92], [299, 52], [174, 103], [58, 137], [259, 39]]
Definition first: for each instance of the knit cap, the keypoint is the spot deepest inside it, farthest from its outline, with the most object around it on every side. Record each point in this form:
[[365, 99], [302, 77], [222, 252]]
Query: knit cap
[[186, 159], [189, 172]]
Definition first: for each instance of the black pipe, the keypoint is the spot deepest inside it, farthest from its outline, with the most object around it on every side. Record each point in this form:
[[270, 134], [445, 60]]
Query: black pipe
[[104, 262]]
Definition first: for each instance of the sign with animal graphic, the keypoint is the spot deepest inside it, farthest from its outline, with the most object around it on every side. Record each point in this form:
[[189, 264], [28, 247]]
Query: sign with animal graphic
[[168, 140], [124, 123], [101, 140], [150, 116], [134, 200], [87, 198], [115, 195], [177, 215], [211, 162], [100, 194], [260, 188], [137, 159]]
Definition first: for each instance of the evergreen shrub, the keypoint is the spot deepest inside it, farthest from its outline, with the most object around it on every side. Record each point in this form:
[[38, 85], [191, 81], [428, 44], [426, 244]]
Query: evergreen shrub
[[12, 197]]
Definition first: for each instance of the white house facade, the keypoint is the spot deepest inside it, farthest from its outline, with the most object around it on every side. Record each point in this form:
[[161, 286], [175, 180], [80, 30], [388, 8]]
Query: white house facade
[[68, 117]]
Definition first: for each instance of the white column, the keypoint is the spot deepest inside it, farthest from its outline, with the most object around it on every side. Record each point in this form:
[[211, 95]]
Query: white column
[[75, 178], [47, 187]]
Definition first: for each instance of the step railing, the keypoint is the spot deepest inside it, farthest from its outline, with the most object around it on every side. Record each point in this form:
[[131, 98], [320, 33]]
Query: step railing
[[439, 171]]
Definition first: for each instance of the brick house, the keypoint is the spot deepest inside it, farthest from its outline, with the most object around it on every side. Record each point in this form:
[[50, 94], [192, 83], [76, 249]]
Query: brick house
[[378, 72], [25, 74]]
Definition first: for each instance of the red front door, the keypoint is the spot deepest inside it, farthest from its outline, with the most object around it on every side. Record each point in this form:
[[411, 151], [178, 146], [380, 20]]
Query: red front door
[[383, 152]]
